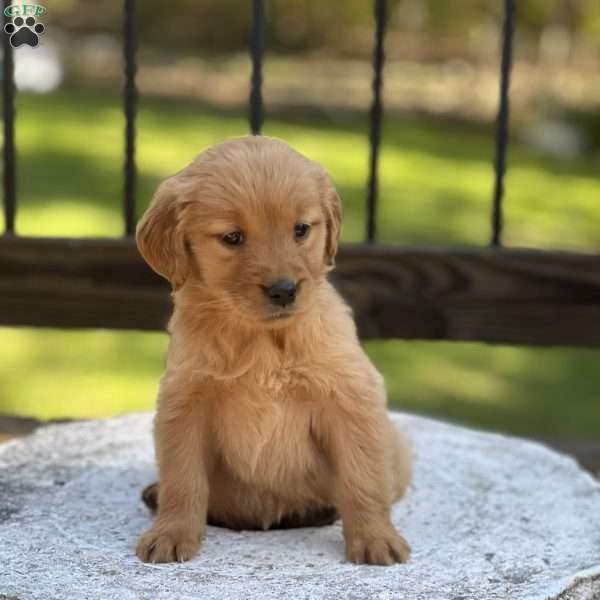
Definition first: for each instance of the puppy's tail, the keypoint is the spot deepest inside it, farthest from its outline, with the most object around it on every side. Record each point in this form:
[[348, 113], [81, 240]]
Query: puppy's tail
[[401, 463]]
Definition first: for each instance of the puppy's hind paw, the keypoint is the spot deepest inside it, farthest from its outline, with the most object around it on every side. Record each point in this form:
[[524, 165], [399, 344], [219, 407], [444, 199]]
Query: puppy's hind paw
[[162, 546], [150, 496]]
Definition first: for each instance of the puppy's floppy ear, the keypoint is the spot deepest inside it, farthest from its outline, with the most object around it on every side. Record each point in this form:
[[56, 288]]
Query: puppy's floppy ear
[[332, 206], [160, 237]]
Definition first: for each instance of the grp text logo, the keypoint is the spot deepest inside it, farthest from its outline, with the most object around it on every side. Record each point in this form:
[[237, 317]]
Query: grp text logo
[[25, 28]]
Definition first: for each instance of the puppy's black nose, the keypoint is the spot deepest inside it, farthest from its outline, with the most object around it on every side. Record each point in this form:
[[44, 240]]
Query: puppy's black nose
[[281, 292]]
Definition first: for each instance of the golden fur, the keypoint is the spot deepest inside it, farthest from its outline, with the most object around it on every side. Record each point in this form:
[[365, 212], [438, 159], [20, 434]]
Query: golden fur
[[264, 413]]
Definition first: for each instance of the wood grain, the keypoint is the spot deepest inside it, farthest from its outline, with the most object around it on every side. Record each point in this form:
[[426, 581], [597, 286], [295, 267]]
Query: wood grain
[[496, 295]]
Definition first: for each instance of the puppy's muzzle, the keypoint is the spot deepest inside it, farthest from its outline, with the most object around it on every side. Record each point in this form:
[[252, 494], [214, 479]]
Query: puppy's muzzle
[[281, 292]]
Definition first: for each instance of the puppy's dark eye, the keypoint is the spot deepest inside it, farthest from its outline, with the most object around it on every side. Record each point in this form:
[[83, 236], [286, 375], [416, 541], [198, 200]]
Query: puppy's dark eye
[[301, 230], [235, 238]]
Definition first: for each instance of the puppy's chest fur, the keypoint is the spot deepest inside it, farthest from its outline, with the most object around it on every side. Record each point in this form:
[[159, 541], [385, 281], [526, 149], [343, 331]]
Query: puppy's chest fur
[[264, 426]]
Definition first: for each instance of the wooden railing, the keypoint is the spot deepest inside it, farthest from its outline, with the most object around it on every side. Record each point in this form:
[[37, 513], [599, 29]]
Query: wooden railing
[[493, 294]]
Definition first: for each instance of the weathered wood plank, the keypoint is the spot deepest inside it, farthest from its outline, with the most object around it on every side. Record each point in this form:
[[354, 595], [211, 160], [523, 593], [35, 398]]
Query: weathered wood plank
[[79, 283], [495, 295]]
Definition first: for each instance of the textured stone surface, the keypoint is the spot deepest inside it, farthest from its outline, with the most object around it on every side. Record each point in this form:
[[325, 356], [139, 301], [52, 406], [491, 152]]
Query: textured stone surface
[[488, 517]]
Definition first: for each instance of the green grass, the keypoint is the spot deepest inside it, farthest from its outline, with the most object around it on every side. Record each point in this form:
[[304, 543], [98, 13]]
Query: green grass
[[436, 183]]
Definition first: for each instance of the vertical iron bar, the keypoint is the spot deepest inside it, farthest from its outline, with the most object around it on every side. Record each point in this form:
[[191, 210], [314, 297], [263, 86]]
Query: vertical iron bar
[[375, 116], [502, 120], [8, 116], [129, 107], [257, 50]]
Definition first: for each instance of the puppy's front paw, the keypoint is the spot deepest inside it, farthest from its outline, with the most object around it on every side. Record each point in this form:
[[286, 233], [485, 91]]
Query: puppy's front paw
[[160, 545], [382, 548]]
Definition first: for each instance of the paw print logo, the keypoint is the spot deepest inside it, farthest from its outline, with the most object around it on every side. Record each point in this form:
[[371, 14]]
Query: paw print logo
[[24, 31]]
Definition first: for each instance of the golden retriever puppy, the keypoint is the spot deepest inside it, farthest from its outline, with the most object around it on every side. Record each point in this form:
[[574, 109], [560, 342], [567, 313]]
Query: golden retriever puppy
[[269, 412]]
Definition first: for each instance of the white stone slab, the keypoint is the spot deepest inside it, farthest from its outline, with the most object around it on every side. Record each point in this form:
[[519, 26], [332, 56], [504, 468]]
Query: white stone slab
[[488, 517]]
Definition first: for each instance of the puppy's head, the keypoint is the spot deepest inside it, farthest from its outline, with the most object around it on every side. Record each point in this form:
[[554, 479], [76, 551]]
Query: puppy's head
[[252, 223]]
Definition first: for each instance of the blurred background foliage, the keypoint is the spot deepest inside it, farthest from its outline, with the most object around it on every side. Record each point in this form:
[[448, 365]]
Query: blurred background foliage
[[301, 25], [441, 90]]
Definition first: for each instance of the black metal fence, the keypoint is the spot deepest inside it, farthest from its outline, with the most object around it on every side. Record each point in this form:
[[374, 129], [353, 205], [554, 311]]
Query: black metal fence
[[489, 294]]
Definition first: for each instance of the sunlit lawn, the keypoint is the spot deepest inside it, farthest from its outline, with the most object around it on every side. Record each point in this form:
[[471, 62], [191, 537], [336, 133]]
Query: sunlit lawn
[[435, 188]]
